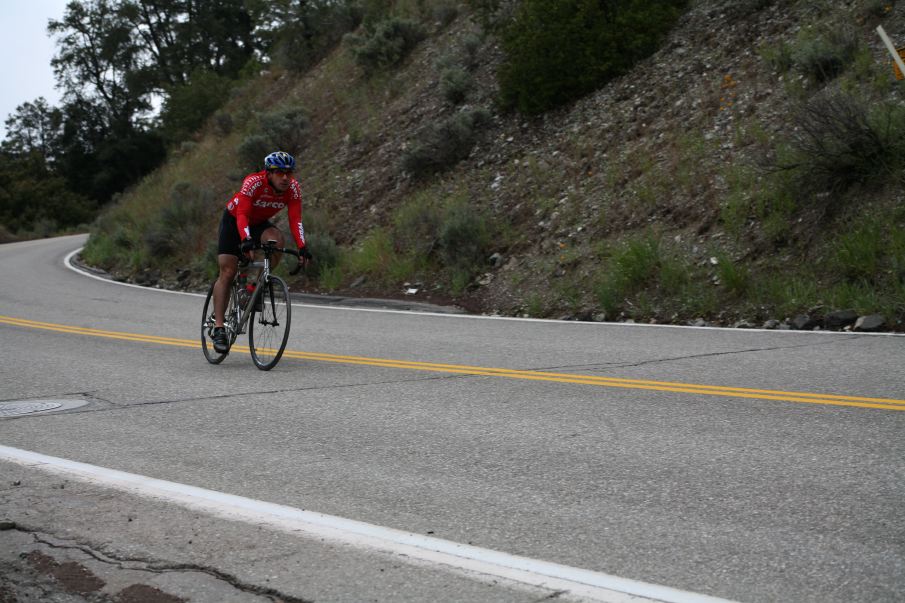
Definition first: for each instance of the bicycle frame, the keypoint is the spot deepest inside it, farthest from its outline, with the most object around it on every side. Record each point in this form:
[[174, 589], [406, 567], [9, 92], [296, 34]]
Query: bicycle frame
[[260, 282]]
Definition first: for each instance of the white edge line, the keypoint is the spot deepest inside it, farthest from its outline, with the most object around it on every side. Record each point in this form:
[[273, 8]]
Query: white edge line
[[67, 261], [582, 583]]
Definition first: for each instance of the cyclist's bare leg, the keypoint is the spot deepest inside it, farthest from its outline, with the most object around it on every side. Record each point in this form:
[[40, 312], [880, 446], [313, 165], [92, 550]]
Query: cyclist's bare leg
[[274, 234], [228, 265]]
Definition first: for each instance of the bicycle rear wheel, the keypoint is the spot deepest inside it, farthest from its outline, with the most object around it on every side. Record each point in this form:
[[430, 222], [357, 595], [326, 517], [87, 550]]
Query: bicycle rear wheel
[[208, 322], [268, 327]]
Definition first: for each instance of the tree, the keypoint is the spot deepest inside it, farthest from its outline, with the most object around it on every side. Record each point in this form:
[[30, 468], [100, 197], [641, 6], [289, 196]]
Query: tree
[[115, 61], [298, 33], [34, 127], [187, 106], [101, 62], [181, 37], [34, 200]]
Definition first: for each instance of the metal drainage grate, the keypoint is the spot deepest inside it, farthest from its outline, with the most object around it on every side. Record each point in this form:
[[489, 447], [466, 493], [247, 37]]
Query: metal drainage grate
[[27, 407]]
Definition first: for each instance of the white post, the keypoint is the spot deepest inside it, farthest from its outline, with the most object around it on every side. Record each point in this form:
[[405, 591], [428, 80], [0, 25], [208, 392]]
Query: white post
[[892, 49]]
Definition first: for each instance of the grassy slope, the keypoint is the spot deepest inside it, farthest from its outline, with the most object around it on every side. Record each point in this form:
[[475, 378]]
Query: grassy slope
[[642, 201]]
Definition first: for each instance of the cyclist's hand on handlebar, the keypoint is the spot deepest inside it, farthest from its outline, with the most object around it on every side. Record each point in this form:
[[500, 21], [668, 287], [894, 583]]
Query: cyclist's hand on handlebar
[[247, 248], [304, 258]]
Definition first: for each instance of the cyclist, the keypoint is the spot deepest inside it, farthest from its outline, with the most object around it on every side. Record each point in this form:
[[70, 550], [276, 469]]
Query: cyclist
[[246, 222]]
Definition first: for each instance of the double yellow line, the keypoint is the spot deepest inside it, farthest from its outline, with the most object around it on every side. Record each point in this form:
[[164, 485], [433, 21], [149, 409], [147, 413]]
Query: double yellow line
[[642, 384]]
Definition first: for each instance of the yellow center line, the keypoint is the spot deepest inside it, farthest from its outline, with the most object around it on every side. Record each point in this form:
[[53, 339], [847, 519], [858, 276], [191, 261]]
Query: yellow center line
[[572, 378]]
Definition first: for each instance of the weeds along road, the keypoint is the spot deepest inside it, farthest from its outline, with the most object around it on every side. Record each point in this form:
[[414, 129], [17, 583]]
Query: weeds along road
[[396, 456]]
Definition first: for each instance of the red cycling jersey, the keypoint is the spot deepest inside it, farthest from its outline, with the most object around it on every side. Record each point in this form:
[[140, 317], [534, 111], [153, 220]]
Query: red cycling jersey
[[256, 201]]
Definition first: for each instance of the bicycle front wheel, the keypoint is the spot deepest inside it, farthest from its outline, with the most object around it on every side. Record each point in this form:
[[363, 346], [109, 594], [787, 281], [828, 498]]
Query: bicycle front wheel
[[268, 327]]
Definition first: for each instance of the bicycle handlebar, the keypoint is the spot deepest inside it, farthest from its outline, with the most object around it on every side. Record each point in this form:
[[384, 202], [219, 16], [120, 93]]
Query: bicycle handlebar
[[269, 249]]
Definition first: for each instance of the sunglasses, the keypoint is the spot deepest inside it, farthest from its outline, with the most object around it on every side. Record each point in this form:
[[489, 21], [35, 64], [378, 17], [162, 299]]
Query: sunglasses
[[283, 172]]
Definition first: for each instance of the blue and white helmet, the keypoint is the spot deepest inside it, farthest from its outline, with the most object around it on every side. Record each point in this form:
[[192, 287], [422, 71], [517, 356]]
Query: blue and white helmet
[[279, 160]]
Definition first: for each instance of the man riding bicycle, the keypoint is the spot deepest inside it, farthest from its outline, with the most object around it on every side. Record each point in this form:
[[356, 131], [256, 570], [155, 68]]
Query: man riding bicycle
[[246, 222]]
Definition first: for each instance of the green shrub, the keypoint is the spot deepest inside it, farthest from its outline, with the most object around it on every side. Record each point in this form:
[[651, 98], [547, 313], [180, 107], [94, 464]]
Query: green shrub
[[99, 250], [637, 265], [223, 123], [416, 225], [325, 252], [446, 61], [450, 236], [735, 209], [386, 45], [787, 294], [402, 268], [877, 8], [206, 262], [471, 44], [113, 237], [734, 277], [455, 83], [459, 279], [174, 228], [463, 237], [317, 220], [331, 277], [285, 129], [535, 307], [376, 258], [559, 51], [493, 15], [373, 255], [840, 141], [868, 252], [610, 291], [638, 261], [186, 147], [442, 146], [778, 57], [860, 296], [822, 56], [445, 14], [252, 151]]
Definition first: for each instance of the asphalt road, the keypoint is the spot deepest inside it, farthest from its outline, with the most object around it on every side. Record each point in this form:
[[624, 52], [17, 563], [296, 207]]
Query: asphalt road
[[739, 464]]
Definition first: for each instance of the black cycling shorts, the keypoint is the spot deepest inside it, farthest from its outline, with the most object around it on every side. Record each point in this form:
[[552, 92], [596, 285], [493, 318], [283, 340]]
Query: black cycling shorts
[[229, 239]]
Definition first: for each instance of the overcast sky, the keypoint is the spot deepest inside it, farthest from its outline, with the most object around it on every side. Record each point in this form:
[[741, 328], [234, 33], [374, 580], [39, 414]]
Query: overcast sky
[[25, 53]]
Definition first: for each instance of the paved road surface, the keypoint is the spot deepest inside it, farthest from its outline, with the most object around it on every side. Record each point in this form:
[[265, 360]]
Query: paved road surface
[[743, 465]]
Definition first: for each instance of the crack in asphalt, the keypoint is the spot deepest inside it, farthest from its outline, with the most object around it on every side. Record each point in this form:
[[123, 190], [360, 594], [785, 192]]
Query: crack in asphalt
[[156, 567], [114, 406], [554, 595], [613, 365], [125, 406]]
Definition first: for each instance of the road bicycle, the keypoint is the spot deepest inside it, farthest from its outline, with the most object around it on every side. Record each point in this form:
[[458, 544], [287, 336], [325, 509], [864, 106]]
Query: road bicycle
[[261, 307]]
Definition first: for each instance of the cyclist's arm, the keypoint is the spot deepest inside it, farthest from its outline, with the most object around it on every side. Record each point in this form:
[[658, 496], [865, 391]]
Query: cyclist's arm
[[242, 204], [295, 216]]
